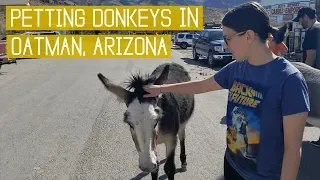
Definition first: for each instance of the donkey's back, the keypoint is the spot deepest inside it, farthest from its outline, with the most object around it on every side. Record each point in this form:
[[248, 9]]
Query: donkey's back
[[312, 77], [178, 107], [177, 73]]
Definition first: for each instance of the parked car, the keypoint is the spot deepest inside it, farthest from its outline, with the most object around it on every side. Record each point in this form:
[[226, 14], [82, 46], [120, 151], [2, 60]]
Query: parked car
[[210, 44], [42, 33], [184, 40]]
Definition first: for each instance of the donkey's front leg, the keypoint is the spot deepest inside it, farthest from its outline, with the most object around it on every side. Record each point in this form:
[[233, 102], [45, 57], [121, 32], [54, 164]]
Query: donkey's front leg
[[183, 157], [170, 167], [155, 174]]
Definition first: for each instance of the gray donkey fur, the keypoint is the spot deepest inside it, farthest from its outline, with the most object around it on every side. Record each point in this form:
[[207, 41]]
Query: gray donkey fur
[[312, 76]]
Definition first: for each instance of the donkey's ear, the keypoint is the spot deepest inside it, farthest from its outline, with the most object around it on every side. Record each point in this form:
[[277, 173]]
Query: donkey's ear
[[163, 76], [121, 93]]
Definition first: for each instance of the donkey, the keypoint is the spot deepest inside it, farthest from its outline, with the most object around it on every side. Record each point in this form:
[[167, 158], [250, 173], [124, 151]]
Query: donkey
[[312, 77], [156, 120]]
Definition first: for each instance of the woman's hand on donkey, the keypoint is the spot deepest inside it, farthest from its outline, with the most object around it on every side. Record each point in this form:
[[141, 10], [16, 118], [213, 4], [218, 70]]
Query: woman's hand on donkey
[[153, 90]]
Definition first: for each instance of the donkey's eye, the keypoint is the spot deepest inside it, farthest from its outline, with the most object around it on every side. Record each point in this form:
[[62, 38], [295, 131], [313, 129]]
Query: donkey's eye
[[157, 110]]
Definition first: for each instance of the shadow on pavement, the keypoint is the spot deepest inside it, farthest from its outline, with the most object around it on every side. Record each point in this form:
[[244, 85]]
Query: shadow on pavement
[[220, 178], [223, 120], [162, 177], [200, 63], [310, 162], [144, 174], [308, 125]]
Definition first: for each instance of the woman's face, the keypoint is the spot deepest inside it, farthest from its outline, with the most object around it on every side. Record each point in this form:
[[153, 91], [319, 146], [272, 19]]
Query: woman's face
[[236, 42]]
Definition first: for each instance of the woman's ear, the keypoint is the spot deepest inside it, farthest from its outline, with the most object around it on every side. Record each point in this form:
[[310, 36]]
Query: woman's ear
[[251, 36]]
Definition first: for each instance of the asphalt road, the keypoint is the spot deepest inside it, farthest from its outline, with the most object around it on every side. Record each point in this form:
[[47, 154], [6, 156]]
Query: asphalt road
[[57, 122]]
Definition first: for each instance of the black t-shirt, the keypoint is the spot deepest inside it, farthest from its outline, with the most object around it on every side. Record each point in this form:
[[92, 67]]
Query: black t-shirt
[[312, 41]]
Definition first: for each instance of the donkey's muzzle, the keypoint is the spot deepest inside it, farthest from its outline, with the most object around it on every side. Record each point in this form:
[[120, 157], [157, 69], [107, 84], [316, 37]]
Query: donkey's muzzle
[[152, 169]]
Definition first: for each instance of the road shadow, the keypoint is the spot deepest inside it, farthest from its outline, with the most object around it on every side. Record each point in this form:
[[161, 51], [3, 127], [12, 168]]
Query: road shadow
[[162, 177], [140, 176], [223, 120], [310, 162], [221, 177], [308, 125], [200, 62]]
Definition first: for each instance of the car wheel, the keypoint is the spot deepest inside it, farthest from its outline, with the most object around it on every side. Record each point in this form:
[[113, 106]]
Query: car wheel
[[210, 59], [195, 56], [184, 45]]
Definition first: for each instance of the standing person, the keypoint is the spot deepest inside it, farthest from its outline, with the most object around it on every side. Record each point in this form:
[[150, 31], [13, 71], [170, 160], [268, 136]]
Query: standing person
[[311, 44], [307, 18], [260, 86]]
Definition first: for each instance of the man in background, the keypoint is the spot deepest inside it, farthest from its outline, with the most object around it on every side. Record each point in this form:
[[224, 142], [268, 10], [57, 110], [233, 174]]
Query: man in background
[[311, 44]]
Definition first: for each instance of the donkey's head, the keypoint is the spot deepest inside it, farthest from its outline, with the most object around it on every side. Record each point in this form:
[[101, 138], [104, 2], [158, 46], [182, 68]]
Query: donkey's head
[[142, 115]]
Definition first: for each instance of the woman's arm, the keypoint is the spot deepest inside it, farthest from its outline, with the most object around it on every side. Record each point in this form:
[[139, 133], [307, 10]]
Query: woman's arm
[[220, 80], [295, 107], [191, 87], [293, 126]]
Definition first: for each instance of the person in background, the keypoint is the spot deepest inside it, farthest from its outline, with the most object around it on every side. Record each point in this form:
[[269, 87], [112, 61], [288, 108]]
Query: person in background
[[307, 18], [311, 44], [276, 44], [261, 93]]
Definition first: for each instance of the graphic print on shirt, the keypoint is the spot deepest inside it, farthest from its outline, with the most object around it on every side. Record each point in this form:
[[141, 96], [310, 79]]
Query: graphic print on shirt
[[243, 133]]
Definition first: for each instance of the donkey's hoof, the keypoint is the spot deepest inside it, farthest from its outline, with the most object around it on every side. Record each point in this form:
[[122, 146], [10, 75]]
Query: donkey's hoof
[[183, 168]]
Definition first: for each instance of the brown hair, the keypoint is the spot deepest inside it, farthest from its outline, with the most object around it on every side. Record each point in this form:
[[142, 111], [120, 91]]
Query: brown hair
[[249, 16]]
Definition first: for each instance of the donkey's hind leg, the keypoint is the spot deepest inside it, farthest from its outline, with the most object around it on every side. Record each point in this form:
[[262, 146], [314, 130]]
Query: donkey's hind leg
[[183, 156], [170, 167]]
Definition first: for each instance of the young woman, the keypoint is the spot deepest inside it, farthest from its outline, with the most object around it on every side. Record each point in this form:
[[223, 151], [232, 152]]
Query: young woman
[[268, 100], [276, 44]]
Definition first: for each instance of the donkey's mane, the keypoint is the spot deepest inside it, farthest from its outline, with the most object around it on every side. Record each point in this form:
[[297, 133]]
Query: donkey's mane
[[136, 83]]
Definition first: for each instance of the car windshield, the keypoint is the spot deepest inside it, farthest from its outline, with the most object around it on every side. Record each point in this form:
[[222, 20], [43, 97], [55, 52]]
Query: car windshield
[[216, 35]]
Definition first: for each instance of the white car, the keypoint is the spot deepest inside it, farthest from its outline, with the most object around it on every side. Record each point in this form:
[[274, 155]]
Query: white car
[[42, 33], [184, 40]]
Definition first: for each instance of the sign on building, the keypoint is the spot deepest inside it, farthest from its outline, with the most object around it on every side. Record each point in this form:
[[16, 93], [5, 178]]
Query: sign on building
[[284, 12], [286, 8]]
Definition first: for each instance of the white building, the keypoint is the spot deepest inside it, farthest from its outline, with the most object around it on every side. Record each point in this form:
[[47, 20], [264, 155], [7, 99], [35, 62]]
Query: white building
[[283, 11]]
